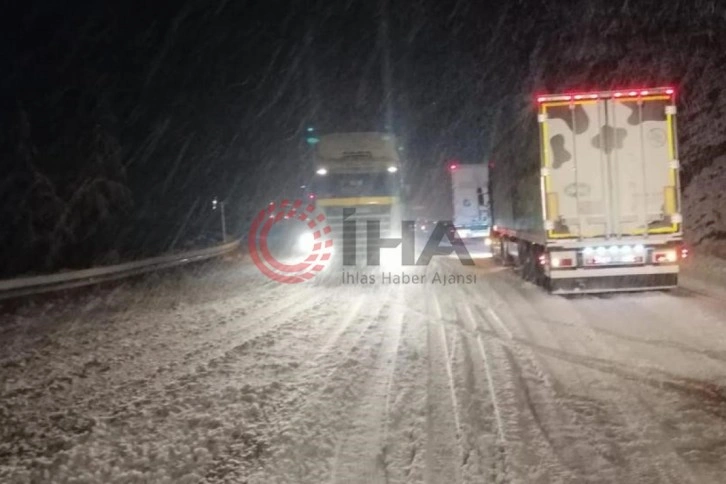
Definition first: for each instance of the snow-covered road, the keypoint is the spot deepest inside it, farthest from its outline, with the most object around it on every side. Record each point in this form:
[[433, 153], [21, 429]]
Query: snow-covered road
[[217, 375]]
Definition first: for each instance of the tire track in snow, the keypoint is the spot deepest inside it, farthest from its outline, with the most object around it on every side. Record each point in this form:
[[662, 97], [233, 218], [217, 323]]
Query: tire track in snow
[[314, 418], [217, 355], [541, 419], [523, 297], [501, 437], [294, 393], [443, 424], [406, 439], [311, 387], [481, 431], [131, 400], [229, 400], [672, 466], [362, 455], [236, 332]]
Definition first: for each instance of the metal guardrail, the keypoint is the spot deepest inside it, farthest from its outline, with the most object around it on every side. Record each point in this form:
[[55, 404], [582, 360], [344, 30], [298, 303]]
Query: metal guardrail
[[24, 286]]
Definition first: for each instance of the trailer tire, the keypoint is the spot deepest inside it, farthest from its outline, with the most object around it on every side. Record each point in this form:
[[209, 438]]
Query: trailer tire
[[504, 257], [527, 261], [540, 277], [533, 270], [548, 285], [499, 253]]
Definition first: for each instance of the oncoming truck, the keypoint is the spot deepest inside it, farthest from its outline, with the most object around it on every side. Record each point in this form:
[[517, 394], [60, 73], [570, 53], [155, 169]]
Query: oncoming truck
[[358, 171], [591, 203]]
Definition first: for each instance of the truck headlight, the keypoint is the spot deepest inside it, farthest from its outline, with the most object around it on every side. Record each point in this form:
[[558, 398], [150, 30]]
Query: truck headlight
[[305, 242], [390, 258]]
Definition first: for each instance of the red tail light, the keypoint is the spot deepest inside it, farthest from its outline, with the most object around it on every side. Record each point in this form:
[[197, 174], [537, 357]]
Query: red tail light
[[684, 252], [311, 196], [564, 262], [665, 256], [543, 259]]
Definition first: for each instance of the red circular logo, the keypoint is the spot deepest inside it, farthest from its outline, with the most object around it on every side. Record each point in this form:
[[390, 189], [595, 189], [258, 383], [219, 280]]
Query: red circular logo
[[319, 232]]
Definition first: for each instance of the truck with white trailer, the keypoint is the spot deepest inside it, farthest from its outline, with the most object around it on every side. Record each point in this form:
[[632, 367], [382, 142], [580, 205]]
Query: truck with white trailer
[[470, 200], [586, 193]]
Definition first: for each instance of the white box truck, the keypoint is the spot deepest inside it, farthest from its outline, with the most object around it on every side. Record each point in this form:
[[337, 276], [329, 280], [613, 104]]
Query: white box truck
[[592, 202], [470, 200]]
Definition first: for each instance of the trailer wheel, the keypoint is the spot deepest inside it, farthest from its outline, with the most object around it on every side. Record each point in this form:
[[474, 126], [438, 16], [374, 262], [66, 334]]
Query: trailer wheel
[[504, 258], [548, 285], [540, 276], [533, 270], [500, 251], [527, 262]]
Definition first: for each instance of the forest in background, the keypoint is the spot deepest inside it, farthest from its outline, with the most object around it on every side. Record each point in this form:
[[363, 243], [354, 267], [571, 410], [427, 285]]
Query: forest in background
[[120, 123]]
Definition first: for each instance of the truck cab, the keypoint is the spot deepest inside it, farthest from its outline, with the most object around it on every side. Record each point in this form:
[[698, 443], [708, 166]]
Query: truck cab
[[362, 172]]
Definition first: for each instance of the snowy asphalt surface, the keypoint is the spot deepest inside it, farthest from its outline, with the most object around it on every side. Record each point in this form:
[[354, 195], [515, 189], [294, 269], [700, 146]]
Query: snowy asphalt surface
[[218, 375]]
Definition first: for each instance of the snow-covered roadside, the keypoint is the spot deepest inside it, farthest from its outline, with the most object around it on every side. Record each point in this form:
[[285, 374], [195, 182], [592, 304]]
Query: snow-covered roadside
[[705, 274], [704, 206]]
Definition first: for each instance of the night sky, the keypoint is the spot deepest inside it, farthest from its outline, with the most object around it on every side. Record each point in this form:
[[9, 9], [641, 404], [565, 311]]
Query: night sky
[[122, 120]]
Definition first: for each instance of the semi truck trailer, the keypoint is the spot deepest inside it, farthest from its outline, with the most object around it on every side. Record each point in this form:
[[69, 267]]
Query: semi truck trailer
[[586, 194], [470, 200]]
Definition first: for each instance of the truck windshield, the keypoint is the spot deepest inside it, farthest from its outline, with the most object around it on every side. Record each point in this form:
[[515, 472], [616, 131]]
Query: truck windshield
[[356, 185]]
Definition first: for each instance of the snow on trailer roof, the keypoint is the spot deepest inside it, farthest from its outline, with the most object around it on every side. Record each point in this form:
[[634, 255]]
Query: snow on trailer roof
[[617, 93]]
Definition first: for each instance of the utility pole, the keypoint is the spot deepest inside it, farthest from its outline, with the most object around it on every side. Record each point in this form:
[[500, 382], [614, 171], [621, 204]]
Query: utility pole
[[224, 223], [221, 204]]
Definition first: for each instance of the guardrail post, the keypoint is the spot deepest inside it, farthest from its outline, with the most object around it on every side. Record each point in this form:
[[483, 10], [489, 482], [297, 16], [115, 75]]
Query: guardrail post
[[224, 223]]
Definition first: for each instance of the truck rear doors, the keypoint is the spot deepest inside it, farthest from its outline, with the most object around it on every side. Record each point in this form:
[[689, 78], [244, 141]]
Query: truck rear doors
[[469, 185], [609, 164]]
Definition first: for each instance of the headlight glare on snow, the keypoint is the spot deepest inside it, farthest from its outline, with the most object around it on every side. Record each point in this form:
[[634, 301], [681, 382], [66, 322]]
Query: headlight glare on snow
[[305, 242]]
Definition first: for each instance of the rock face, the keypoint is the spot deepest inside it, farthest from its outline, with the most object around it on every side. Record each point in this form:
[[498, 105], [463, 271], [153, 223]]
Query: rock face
[[704, 208]]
